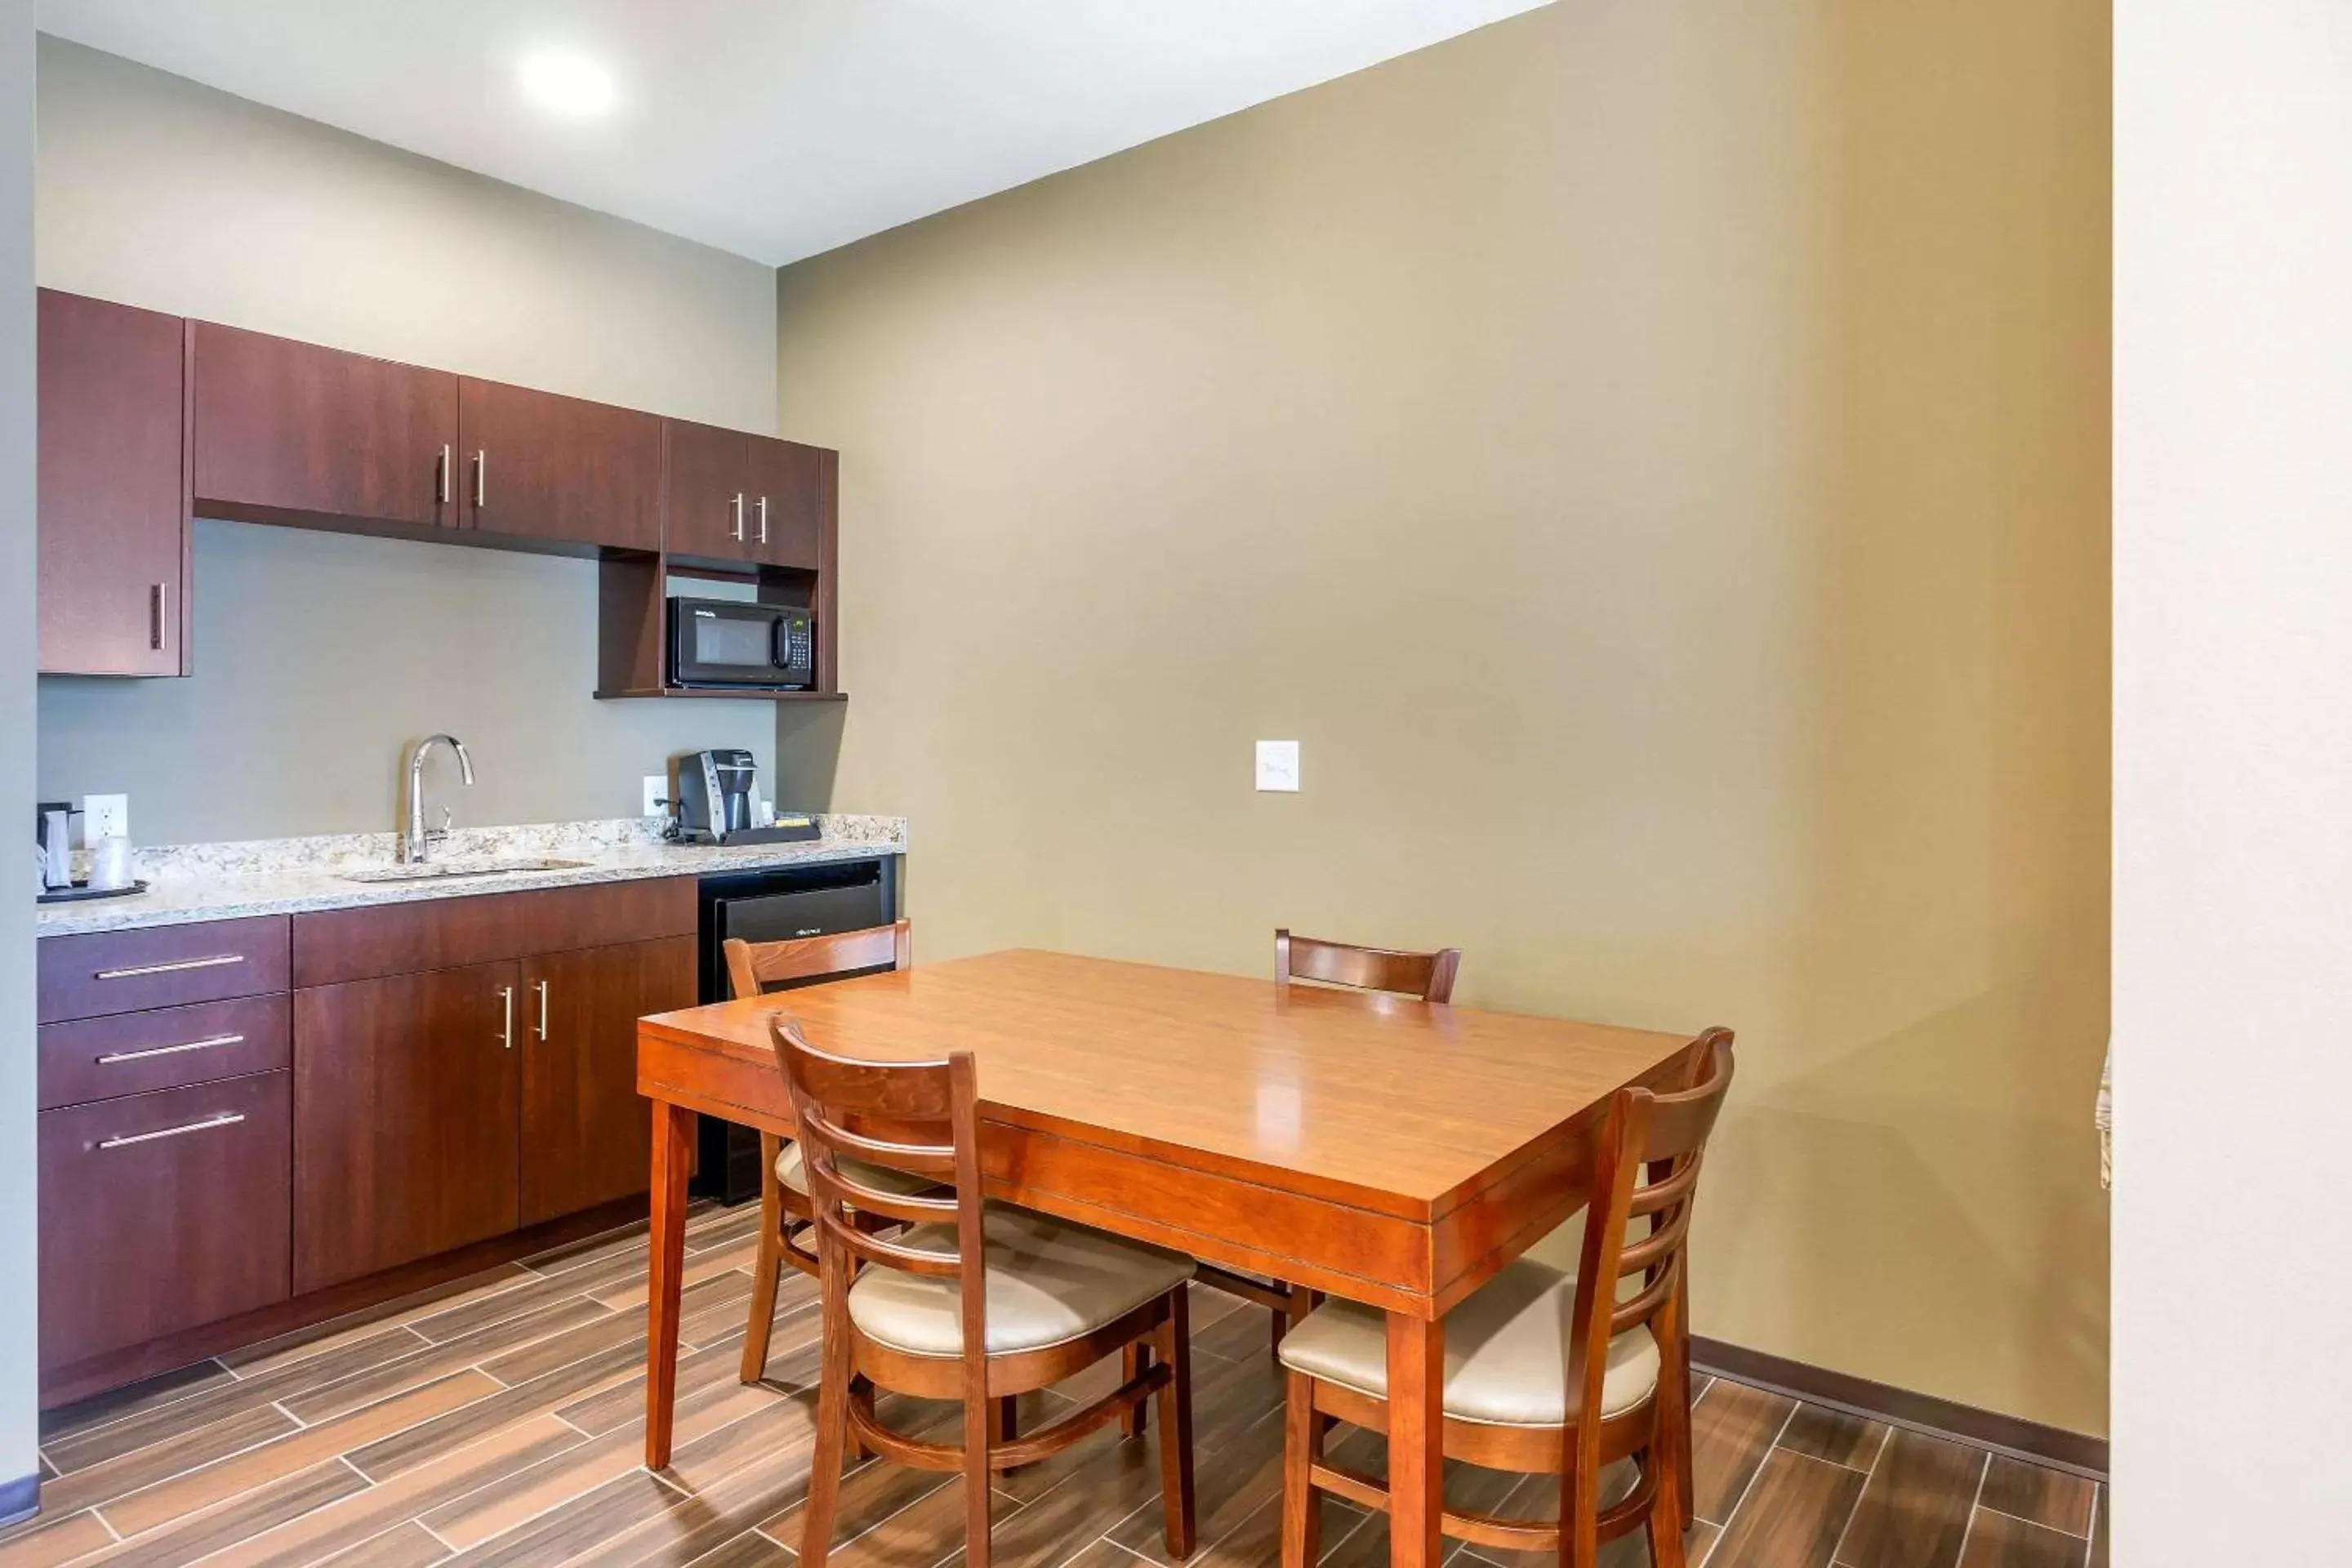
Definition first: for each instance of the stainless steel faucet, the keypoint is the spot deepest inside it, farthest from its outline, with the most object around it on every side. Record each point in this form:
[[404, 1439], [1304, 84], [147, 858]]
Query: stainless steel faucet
[[417, 842]]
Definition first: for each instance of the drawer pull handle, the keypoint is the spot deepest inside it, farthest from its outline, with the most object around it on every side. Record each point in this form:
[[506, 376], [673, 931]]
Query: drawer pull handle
[[111, 1057], [232, 1119], [185, 963], [541, 987], [505, 1029]]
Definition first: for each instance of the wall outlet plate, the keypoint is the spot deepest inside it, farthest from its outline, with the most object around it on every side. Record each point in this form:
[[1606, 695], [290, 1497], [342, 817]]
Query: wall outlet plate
[[656, 791], [1277, 766], [105, 817]]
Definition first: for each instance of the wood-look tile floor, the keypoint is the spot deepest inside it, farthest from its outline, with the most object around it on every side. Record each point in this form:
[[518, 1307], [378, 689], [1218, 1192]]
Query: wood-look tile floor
[[500, 1422]]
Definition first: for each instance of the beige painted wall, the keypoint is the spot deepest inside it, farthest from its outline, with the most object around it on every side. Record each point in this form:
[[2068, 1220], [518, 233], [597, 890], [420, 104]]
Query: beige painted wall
[[318, 657], [1654, 455]]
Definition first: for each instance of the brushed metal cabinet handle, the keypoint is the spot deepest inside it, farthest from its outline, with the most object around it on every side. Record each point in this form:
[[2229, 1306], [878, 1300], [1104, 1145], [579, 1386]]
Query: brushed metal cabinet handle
[[231, 1119], [763, 519], [738, 505], [441, 478], [540, 986], [184, 965], [481, 479], [111, 1057], [156, 623], [506, 1029]]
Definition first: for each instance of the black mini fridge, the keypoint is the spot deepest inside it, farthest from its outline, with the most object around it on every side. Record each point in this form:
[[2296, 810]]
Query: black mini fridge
[[778, 905]]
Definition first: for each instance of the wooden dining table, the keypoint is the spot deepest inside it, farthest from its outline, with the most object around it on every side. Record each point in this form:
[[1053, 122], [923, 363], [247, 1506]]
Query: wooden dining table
[[1382, 1149]]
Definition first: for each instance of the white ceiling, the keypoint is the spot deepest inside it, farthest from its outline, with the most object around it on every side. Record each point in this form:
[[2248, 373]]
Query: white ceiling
[[775, 129]]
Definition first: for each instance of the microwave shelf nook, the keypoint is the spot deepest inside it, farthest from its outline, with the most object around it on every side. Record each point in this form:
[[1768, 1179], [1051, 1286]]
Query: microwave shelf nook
[[643, 601]]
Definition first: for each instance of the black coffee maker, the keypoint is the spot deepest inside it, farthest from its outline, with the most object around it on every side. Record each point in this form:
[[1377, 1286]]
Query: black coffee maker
[[711, 794]]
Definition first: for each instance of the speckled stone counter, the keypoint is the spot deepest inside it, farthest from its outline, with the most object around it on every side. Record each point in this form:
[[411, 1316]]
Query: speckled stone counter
[[289, 876]]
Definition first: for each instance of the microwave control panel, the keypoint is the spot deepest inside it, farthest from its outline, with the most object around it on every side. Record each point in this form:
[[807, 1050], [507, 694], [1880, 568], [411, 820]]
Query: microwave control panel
[[800, 643]]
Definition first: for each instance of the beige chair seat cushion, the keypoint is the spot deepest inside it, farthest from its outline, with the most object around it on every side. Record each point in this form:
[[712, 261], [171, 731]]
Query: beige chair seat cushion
[[1505, 1352], [1047, 1283], [792, 1169]]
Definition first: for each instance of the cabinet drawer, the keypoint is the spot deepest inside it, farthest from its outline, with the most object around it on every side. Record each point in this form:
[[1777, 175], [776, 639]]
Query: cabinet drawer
[[131, 1053], [339, 946], [131, 971], [159, 1212]]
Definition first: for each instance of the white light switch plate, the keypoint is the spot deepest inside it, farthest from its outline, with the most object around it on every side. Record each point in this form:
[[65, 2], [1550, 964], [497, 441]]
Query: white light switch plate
[[656, 791], [1277, 766], [105, 817]]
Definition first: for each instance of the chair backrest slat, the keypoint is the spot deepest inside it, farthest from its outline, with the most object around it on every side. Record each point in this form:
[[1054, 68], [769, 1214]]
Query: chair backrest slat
[[1428, 976], [753, 967]]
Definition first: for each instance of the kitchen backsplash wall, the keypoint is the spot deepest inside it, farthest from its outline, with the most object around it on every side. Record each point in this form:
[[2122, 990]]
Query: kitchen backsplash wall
[[318, 656]]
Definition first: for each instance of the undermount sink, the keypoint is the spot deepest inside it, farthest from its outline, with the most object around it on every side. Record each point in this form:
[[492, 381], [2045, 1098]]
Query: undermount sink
[[439, 870]]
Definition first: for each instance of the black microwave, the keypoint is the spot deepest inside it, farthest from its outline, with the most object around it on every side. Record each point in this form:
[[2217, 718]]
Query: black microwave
[[734, 642]]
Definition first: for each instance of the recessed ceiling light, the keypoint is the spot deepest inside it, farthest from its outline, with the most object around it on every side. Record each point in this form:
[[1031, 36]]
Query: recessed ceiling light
[[567, 83]]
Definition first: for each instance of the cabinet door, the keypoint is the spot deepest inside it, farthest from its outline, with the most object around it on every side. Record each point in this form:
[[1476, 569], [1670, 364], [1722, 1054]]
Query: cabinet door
[[586, 1134], [542, 467], [159, 1212], [288, 432], [404, 1105], [707, 498], [791, 491], [113, 489]]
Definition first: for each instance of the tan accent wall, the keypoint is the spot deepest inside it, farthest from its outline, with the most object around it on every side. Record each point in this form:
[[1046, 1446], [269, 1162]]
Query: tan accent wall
[[1653, 455], [319, 655]]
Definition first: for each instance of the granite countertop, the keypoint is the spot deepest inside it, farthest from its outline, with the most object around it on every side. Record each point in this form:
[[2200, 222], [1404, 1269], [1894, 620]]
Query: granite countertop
[[194, 882]]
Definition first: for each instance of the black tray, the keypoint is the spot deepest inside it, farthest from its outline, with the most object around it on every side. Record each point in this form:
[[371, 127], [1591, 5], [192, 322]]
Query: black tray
[[82, 893]]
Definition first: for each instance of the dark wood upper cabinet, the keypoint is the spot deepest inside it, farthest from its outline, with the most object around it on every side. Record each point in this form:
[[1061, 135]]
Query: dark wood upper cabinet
[[288, 432], [114, 490], [537, 466], [791, 499], [404, 1117], [587, 1138], [706, 491]]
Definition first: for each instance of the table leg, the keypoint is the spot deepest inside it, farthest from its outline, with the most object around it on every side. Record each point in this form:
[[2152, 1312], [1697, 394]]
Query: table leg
[[1416, 1440], [673, 1157]]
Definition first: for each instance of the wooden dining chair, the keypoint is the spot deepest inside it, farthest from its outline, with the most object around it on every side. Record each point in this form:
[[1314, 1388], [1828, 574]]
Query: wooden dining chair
[[1428, 976], [785, 1217], [1546, 1373], [975, 1303]]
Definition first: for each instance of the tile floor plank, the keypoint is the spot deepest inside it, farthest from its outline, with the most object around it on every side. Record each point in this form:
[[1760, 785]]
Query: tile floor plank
[[46, 1541], [556, 1535], [325, 1397], [1914, 1510], [410, 1546], [157, 1462], [1834, 1434], [1791, 1516], [2051, 1499], [1999, 1540], [265, 1508], [1732, 1430]]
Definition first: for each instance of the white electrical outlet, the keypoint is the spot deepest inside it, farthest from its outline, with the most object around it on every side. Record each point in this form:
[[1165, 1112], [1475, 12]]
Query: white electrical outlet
[[1277, 766], [656, 791], [105, 817]]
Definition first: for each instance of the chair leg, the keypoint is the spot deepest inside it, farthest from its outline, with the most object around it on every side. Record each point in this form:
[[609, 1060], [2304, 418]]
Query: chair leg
[[831, 1431], [1293, 1313], [1302, 1445], [1132, 1363], [861, 1398], [1665, 1524], [979, 1412], [1174, 1337], [767, 1269], [1008, 1418]]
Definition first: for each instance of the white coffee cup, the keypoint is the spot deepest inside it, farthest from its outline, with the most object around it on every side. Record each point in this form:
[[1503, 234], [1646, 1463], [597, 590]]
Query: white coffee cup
[[110, 863]]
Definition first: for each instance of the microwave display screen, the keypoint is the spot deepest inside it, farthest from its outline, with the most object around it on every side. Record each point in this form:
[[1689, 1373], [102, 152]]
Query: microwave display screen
[[720, 640]]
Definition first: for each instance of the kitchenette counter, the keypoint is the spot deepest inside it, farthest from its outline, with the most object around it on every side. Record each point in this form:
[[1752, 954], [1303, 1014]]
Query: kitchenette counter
[[193, 882]]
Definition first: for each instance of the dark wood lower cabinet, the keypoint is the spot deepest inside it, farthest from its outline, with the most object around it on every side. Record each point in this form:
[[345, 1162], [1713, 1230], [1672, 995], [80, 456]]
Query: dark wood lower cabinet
[[586, 1135], [405, 1118], [162, 1211]]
